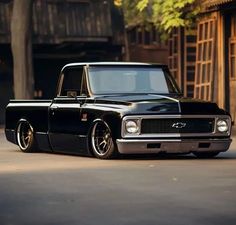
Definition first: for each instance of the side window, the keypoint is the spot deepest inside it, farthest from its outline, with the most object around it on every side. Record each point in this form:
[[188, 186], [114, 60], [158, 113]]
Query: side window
[[72, 79]]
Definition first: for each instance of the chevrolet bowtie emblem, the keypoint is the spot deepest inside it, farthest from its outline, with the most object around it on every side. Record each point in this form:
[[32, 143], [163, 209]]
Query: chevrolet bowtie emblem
[[179, 125]]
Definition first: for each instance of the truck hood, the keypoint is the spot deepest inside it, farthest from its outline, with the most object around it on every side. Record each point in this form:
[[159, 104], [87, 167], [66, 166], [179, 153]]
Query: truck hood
[[158, 104]]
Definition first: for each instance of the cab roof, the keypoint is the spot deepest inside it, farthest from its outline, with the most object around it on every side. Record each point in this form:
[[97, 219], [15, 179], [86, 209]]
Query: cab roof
[[112, 64]]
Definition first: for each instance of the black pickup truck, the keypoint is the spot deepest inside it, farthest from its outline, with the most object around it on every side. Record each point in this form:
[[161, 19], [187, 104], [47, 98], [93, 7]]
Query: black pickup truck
[[106, 109]]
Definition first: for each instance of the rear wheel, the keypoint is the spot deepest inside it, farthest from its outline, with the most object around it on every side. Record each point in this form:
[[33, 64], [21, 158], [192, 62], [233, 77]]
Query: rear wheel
[[101, 140], [205, 155], [25, 137]]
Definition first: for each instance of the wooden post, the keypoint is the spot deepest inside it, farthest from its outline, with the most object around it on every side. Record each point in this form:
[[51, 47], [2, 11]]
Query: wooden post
[[220, 87], [21, 45]]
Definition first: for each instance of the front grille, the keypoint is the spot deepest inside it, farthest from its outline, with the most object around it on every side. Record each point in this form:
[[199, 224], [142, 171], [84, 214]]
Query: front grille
[[177, 125]]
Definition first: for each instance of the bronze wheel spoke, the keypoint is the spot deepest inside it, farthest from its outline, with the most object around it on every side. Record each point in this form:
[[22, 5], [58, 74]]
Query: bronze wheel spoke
[[27, 138]]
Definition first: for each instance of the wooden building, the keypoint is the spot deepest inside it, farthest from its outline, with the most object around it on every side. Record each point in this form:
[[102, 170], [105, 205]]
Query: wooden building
[[204, 61], [216, 54], [64, 31]]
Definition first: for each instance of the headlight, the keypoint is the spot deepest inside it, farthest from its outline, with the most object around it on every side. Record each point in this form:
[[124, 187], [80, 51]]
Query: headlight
[[131, 126], [222, 126]]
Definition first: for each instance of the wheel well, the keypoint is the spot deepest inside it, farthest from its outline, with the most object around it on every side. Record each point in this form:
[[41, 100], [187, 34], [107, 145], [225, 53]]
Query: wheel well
[[114, 122], [89, 144], [22, 120], [99, 120]]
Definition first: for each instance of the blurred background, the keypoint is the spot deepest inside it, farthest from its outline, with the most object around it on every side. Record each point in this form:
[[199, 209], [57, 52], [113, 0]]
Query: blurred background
[[196, 38]]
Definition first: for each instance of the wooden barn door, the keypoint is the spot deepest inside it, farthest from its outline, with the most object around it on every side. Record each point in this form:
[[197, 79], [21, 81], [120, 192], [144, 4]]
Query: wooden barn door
[[232, 67], [206, 45]]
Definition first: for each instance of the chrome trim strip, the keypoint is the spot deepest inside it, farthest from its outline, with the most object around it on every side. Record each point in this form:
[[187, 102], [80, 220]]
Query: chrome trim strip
[[140, 117], [175, 116], [171, 140], [41, 133]]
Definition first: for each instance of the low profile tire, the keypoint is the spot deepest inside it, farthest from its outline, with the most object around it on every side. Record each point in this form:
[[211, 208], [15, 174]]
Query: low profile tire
[[25, 137], [205, 155], [102, 142]]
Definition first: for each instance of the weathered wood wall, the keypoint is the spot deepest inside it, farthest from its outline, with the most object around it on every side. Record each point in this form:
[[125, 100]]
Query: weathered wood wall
[[5, 16], [56, 21], [182, 58]]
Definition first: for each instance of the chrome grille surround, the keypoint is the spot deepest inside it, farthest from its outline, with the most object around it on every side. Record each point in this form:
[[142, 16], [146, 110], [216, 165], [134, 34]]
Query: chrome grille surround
[[139, 118]]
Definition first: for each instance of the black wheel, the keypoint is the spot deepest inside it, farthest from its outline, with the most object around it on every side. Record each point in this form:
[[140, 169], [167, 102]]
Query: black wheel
[[101, 140], [205, 155], [25, 137]]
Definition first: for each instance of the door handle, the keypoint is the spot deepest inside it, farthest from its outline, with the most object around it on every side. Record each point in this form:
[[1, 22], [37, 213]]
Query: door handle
[[54, 107]]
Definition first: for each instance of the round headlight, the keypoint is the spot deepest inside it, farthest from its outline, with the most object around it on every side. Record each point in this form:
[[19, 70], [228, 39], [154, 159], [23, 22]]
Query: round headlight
[[222, 126], [131, 127]]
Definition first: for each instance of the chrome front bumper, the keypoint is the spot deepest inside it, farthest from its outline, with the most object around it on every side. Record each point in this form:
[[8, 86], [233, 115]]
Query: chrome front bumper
[[141, 146]]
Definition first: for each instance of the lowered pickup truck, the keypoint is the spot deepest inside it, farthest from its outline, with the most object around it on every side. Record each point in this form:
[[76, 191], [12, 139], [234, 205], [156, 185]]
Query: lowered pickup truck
[[106, 109]]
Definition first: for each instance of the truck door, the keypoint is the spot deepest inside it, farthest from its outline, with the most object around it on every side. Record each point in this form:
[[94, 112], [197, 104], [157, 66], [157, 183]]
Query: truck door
[[64, 113]]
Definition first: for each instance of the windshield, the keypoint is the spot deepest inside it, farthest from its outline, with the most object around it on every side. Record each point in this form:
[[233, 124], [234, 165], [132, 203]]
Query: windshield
[[133, 80]]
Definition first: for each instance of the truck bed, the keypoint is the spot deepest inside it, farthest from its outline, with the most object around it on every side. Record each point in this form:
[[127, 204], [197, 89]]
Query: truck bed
[[34, 111]]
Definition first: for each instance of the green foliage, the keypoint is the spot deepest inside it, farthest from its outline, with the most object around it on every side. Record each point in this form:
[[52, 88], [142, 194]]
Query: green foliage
[[142, 4], [164, 14], [132, 13]]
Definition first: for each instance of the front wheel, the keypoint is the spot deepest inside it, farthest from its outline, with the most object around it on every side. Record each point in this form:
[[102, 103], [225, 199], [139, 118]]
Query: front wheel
[[101, 140], [205, 155], [25, 137]]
